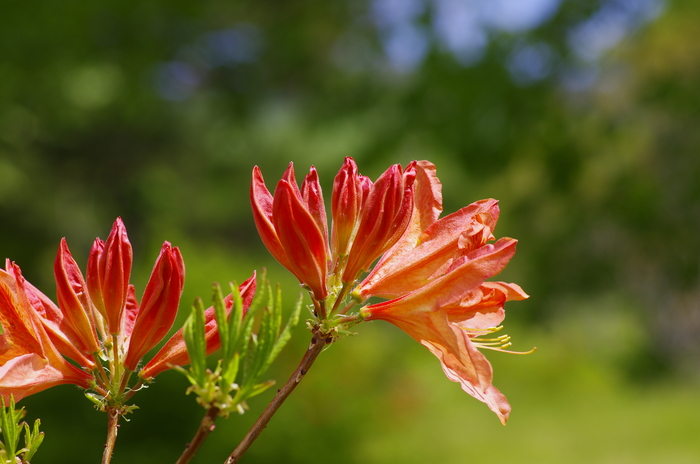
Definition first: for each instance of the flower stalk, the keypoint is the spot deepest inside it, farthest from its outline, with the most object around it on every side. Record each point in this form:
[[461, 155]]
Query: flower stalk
[[206, 426], [113, 415], [318, 342]]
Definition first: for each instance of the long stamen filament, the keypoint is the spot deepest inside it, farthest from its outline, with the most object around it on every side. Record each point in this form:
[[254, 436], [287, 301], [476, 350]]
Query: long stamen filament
[[497, 343], [507, 351], [497, 340], [485, 331]]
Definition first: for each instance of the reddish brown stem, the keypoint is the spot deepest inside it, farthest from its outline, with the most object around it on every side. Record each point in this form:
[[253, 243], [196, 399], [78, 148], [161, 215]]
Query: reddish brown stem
[[205, 428], [112, 428], [318, 341]]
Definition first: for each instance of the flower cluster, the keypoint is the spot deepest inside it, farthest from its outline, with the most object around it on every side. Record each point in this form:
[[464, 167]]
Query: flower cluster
[[432, 271], [368, 218], [98, 323], [431, 274]]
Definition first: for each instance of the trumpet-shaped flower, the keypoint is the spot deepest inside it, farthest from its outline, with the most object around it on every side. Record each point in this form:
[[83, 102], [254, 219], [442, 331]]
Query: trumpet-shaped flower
[[97, 320], [435, 278], [29, 360]]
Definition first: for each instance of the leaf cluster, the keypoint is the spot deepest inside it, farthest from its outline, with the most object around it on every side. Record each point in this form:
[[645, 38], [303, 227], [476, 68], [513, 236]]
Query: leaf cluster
[[11, 427], [245, 353]]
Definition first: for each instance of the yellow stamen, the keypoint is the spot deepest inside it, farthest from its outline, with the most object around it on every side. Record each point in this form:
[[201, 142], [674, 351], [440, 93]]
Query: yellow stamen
[[479, 332], [496, 344]]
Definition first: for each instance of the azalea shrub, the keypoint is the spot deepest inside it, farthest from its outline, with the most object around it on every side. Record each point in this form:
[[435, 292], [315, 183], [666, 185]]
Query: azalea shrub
[[386, 253]]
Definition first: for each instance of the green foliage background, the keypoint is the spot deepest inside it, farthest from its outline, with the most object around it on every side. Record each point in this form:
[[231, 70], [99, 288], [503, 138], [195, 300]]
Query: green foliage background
[[122, 109]]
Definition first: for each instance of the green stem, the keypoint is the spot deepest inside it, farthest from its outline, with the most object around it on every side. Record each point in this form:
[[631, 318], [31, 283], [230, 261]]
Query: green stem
[[348, 319], [116, 364], [341, 296], [102, 373]]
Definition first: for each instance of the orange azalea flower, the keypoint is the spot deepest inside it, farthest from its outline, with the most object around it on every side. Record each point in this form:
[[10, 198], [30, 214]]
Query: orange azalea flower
[[29, 360], [432, 271], [97, 320], [435, 276]]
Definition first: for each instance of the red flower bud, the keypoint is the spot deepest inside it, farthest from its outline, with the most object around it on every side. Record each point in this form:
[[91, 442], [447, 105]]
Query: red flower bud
[[301, 238], [159, 305], [261, 201], [293, 226], [385, 215], [92, 275], [109, 269], [346, 204]]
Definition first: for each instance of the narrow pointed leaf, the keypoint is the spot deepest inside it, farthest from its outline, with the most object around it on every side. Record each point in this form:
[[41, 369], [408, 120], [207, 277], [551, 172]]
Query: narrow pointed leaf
[[275, 322], [231, 371], [266, 338], [248, 320], [193, 332], [235, 319], [286, 334], [248, 355], [221, 323], [32, 439], [10, 428], [231, 358], [259, 388]]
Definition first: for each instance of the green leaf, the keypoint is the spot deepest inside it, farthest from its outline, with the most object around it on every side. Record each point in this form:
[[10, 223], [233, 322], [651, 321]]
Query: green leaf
[[221, 323], [11, 428], [286, 334], [231, 371], [97, 400], [230, 356], [193, 332], [32, 440], [266, 339], [259, 388], [245, 337]]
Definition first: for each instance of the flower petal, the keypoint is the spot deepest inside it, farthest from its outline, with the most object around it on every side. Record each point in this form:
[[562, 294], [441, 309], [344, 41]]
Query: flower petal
[[385, 215], [427, 204], [29, 362], [412, 264], [56, 326], [461, 360], [72, 294], [301, 238], [313, 198], [115, 272], [261, 201], [346, 203], [159, 304], [29, 373]]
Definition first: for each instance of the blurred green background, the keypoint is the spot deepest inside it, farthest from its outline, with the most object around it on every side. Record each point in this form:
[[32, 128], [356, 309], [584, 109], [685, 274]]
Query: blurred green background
[[580, 116]]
